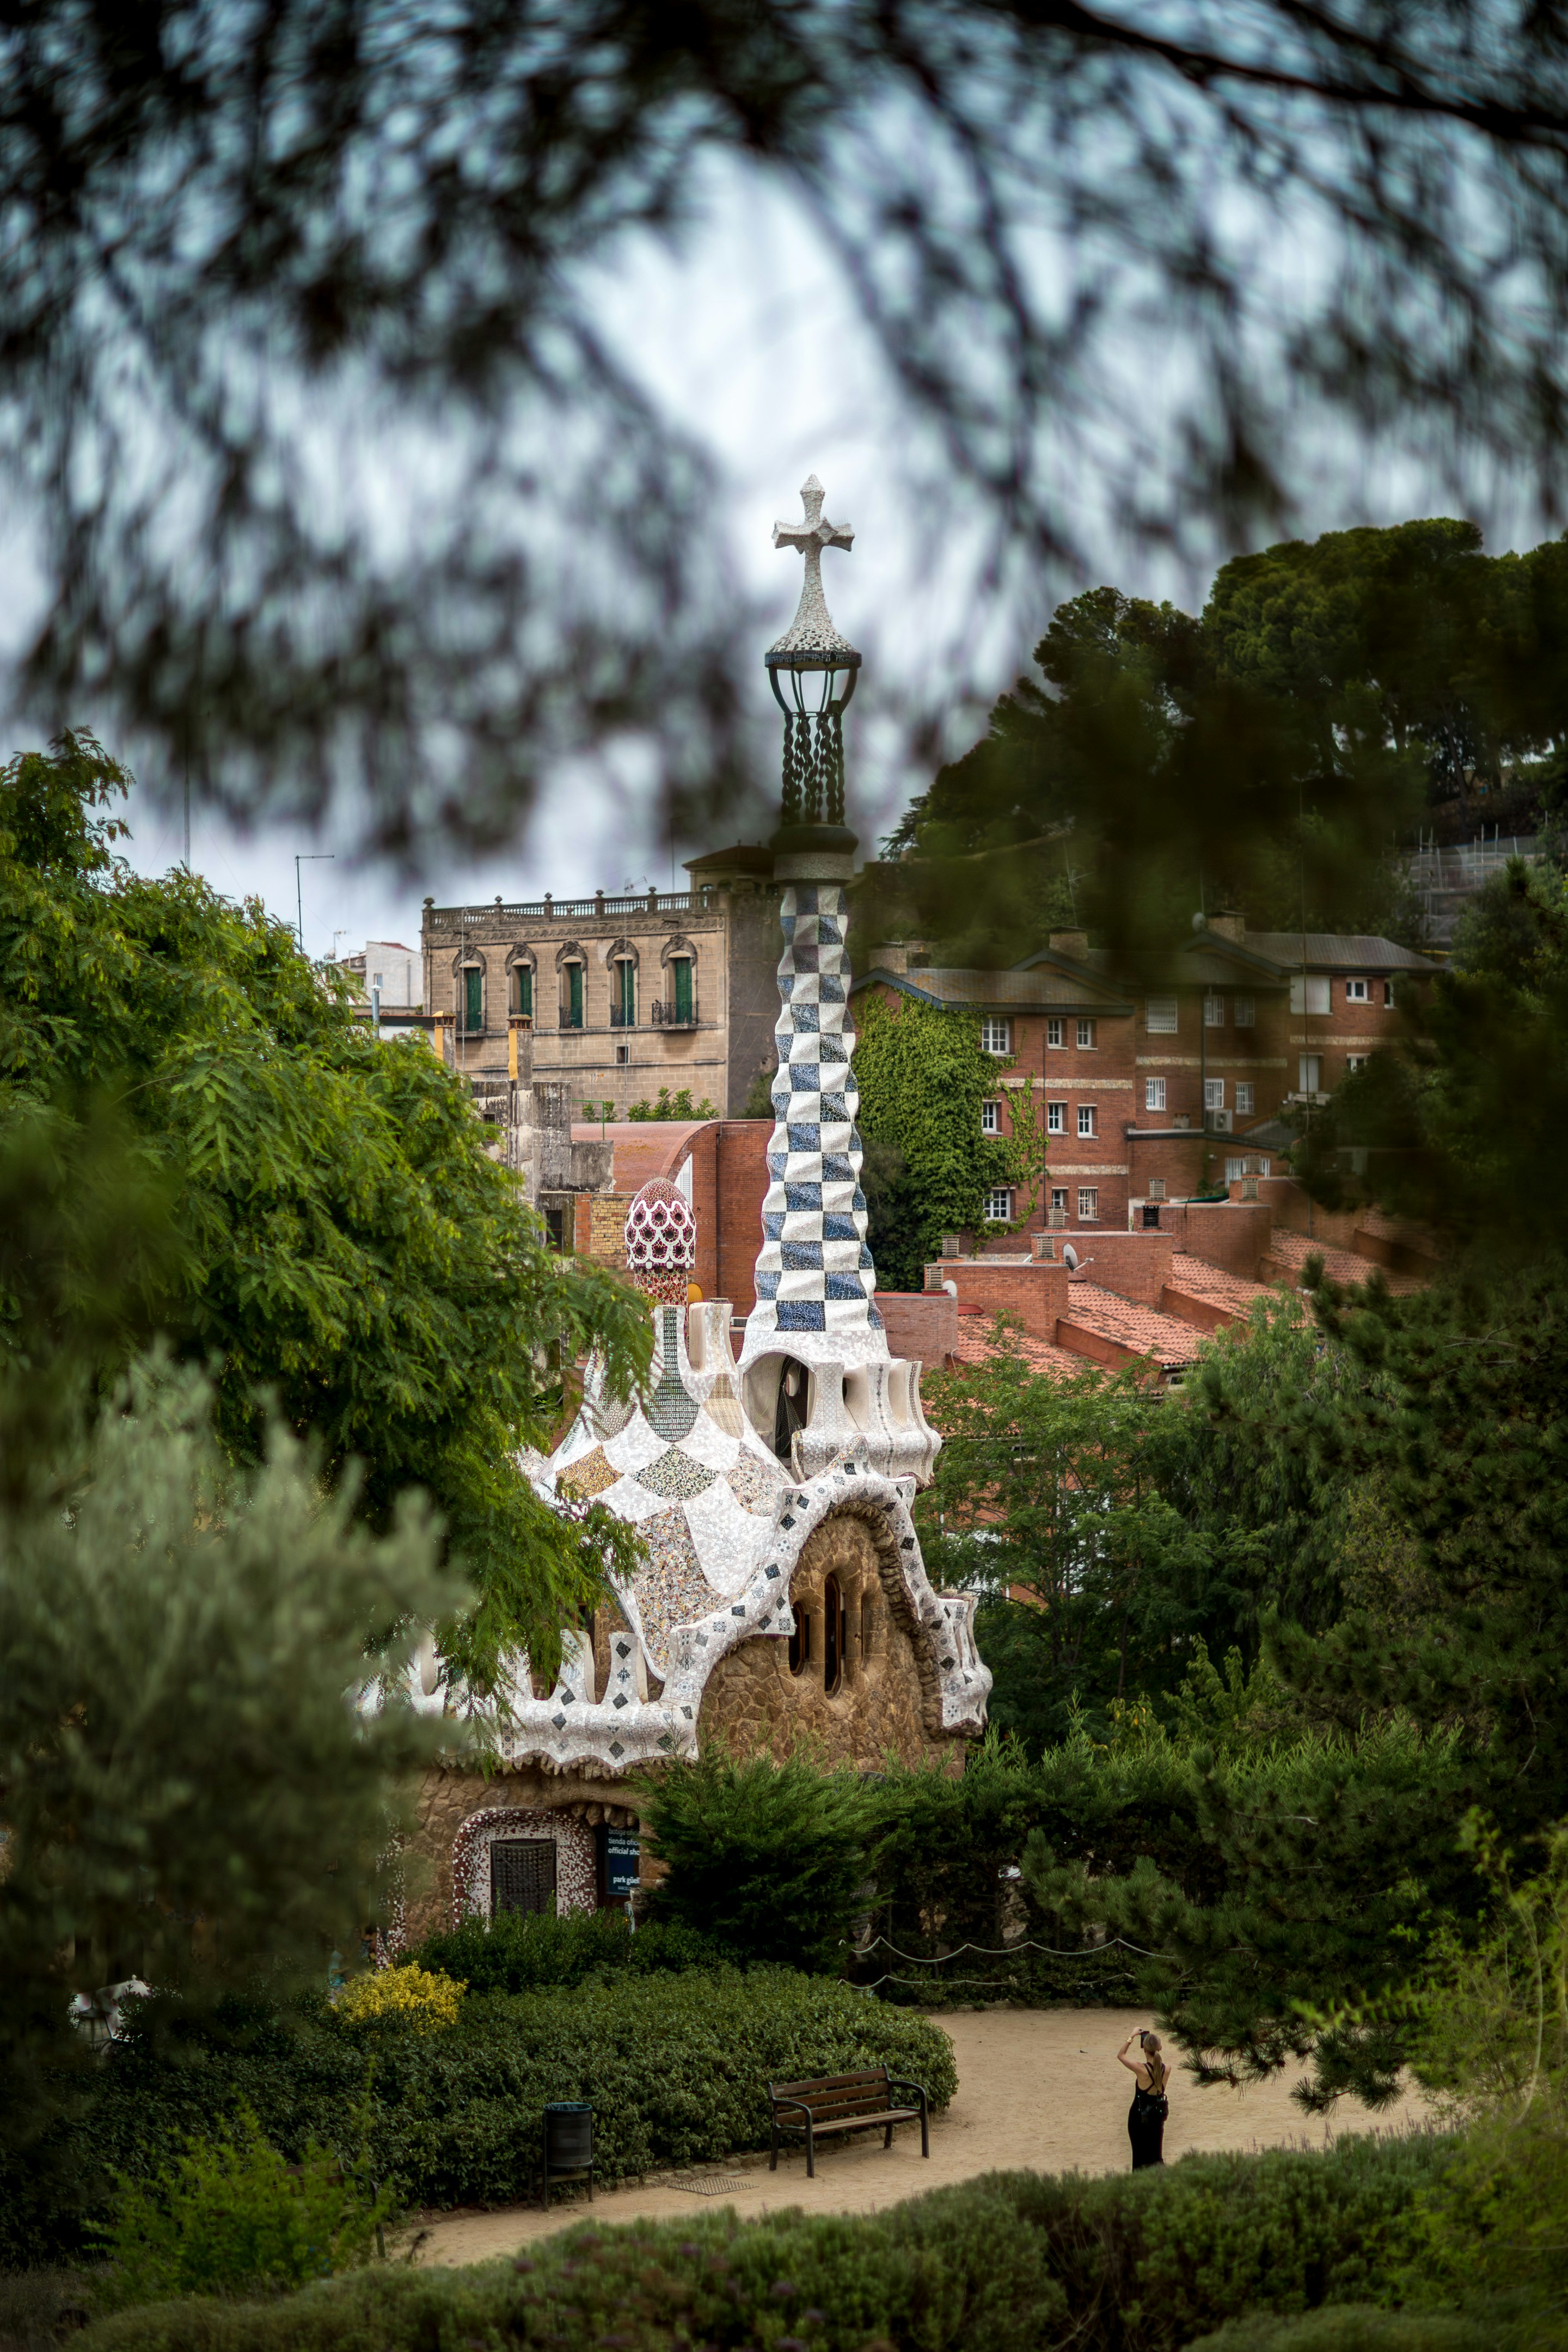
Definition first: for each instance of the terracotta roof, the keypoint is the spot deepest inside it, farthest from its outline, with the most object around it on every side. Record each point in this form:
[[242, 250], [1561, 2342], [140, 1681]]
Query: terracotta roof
[[976, 1345], [1291, 1251], [1142, 1329], [1201, 1280]]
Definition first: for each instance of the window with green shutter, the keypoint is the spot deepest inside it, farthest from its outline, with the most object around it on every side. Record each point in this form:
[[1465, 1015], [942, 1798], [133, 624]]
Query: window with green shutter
[[575, 995], [681, 971], [525, 990], [626, 993], [473, 1000]]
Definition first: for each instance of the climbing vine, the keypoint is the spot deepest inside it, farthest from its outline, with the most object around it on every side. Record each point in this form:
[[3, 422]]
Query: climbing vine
[[923, 1079]]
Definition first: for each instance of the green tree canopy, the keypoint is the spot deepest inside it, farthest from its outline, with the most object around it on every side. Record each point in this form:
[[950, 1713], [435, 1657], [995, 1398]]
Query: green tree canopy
[[1266, 753], [331, 1234]]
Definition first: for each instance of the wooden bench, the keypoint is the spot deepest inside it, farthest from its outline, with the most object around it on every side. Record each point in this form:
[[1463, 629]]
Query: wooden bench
[[844, 2103]]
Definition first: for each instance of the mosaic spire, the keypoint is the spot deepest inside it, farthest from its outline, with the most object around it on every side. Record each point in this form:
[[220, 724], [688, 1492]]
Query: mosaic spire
[[814, 1272]]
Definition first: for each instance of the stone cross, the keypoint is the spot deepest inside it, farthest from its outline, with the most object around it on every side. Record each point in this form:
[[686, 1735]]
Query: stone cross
[[812, 630]]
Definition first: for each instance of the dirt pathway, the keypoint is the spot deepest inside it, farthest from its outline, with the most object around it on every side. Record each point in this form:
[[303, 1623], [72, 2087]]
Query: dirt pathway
[[1038, 2089]]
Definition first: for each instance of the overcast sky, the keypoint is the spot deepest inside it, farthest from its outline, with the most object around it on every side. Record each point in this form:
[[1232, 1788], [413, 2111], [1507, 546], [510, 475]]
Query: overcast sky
[[750, 337]]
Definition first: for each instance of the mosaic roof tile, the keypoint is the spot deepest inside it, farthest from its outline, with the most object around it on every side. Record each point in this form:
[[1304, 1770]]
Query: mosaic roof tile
[[590, 1474], [671, 1588], [756, 1484], [676, 1474]]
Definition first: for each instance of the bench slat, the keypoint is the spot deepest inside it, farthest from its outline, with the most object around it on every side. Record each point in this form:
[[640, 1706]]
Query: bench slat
[[859, 2123], [868, 2075]]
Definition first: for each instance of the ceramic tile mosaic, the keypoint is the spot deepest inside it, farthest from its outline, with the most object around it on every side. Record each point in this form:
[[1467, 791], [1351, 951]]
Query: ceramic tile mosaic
[[671, 1588], [671, 1409], [629, 1499], [727, 1538], [675, 1474], [635, 1444], [589, 1474], [706, 1442], [576, 1857], [756, 1484], [819, 1275]]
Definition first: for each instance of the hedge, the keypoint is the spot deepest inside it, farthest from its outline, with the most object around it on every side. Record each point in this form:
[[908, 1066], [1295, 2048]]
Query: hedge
[[520, 1951], [1013, 2263], [677, 2067]]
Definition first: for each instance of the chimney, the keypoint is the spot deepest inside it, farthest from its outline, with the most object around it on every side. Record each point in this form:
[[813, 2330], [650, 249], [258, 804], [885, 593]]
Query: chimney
[[1068, 943], [1230, 926], [889, 958]]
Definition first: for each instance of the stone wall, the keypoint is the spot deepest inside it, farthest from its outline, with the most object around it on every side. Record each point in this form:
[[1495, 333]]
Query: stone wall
[[882, 1704], [449, 1798]]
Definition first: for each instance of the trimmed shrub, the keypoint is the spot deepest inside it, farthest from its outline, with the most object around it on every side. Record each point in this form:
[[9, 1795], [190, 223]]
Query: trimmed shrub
[[1136, 2263], [519, 1951], [676, 2068]]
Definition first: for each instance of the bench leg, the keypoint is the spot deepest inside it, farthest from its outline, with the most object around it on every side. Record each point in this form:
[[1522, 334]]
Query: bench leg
[[773, 2145], [925, 2133], [888, 2137], [810, 2152]]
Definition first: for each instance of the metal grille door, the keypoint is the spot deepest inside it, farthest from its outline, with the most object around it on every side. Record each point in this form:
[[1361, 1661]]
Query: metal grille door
[[523, 1875]]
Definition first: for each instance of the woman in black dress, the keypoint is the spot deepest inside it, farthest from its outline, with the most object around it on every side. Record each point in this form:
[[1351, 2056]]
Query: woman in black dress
[[1146, 2116]]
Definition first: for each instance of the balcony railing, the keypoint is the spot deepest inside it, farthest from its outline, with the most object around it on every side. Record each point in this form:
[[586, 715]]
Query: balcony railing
[[645, 902], [669, 1016], [622, 1016], [570, 1018]]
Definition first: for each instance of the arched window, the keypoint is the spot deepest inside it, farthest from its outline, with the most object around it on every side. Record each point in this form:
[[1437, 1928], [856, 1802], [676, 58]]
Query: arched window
[[521, 990], [522, 1875], [569, 963], [832, 1635], [800, 1643], [793, 1408], [470, 979], [680, 1005]]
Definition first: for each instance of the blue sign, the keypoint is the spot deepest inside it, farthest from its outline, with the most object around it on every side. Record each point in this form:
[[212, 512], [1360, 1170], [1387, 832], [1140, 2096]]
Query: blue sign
[[623, 1855]]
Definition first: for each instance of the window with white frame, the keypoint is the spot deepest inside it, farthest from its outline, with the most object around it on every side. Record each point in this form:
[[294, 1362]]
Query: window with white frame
[[1059, 1198], [1156, 1188], [1054, 1030], [1213, 1010], [1244, 1012], [1088, 1205], [1309, 993], [995, 1036], [1234, 1169], [1213, 1094], [991, 1117], [1087, 1119], [999, 1205], [1246, 1097], [1160, 1015], [1388, 994], [1356, 991], [1357, 1061], [1086, 1035], [1309, 1077], [1153, 1094], [1056, 1119]]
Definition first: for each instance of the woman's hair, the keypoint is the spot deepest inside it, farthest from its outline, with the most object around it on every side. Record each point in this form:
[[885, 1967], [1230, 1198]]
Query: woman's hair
[[1150, 2045]]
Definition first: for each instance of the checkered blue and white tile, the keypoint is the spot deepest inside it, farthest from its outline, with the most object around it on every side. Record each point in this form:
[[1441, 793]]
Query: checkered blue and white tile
[[814, 1270]]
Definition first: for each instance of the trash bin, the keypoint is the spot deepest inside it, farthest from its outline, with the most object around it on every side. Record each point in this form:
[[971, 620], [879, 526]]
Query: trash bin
[[568, 2141]]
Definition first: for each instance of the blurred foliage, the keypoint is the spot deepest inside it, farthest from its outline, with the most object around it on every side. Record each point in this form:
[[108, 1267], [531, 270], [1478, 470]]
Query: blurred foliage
[[191, 1795], [201, 1139], [677, 1106], [1017, 2260], [299, 242], [1268, 754], [229, 2217]]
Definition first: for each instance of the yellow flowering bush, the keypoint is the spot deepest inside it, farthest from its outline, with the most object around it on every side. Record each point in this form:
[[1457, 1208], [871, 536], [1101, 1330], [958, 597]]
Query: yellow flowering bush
[[426, 1998]]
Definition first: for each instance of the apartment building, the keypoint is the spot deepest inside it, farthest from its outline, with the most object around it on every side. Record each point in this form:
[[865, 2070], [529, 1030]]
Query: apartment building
[[623, 994], [1150, 1071]]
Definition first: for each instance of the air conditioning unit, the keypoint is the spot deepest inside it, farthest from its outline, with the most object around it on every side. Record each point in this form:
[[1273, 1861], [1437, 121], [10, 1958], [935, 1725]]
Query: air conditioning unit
[[1220, 1121], [953, 1245]]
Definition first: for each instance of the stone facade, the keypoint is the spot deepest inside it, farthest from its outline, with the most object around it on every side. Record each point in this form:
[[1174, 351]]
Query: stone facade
[[625, 995]]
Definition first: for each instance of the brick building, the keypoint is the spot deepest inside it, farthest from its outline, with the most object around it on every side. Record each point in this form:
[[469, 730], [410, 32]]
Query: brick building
[[1151, 1069], [624, 995]]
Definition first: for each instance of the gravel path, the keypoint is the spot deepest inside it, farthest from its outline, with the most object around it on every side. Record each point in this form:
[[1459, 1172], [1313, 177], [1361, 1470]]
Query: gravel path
[[1038, 2089]]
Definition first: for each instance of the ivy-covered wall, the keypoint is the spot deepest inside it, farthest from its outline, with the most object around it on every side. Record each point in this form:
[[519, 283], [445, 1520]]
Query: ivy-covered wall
[[923, 1079]]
